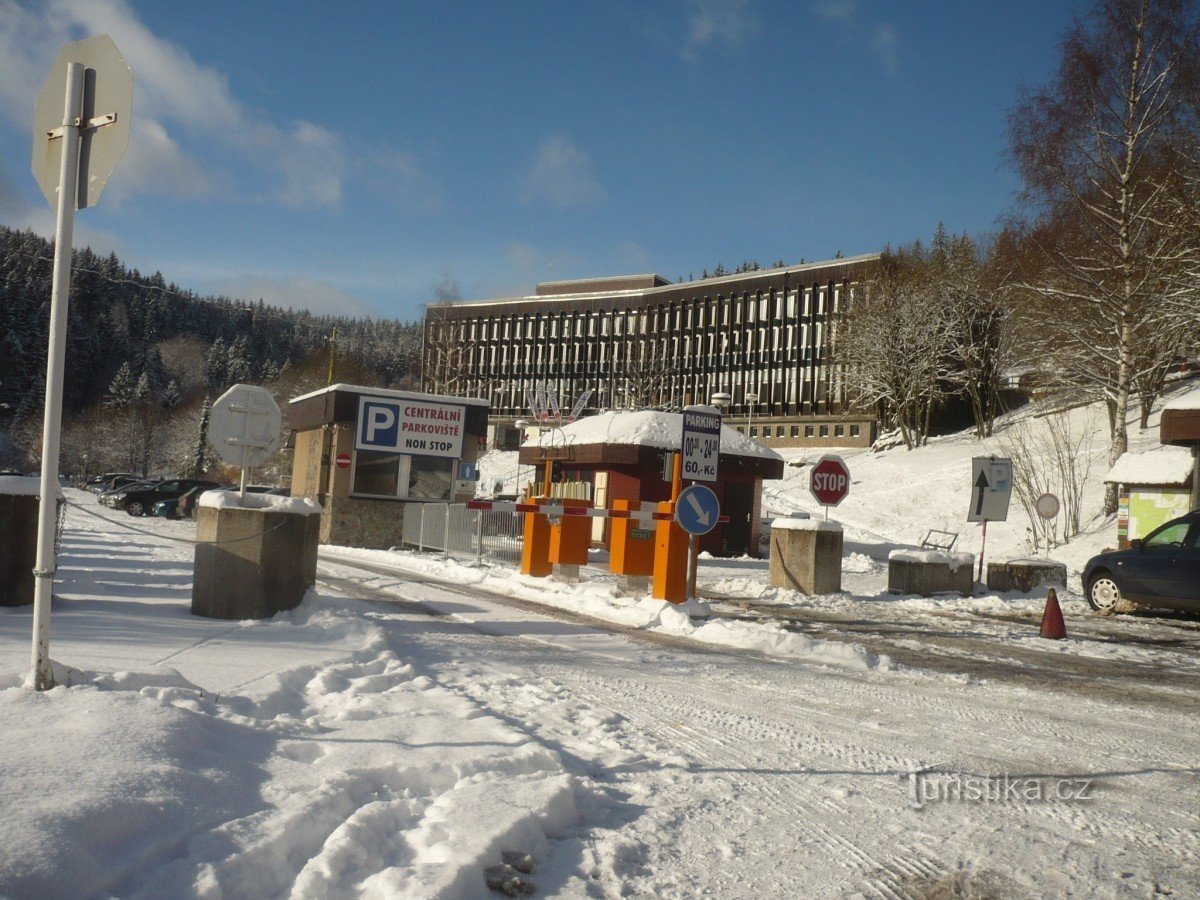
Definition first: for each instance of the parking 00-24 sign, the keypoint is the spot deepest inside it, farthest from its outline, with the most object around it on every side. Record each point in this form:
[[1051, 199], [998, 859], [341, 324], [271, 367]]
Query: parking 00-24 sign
[[410, 427]]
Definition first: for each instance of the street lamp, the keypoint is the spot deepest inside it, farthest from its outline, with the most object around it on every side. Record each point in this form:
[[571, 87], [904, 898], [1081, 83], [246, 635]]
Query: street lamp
[[721, 400], [751, 399]]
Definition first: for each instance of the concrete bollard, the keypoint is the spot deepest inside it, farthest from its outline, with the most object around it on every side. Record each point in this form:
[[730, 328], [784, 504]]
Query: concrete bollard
[[18, 538], [806, 555], [256, 556], [929, 572], [1025, 575]]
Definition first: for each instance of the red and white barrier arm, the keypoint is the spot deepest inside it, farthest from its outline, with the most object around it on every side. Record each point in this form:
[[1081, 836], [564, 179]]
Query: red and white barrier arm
[[556, 509]]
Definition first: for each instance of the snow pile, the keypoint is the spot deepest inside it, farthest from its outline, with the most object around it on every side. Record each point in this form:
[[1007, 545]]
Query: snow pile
[[772, 640], [332, 768], [21, 486], [662, 430], [298, 506], [1168, 465], [807, 524], [602, 599]]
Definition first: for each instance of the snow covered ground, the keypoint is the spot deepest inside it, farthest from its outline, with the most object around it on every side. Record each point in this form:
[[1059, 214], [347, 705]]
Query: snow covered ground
[[419, 722]]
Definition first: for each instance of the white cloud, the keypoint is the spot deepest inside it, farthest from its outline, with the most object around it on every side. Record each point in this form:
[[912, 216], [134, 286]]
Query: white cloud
[[836, 10], [178, 103], [319, 297], [562, 175], [886, 44], [711, 23], [881, 38]]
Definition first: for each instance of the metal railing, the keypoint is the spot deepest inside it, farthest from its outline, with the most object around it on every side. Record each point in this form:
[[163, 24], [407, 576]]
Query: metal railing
[[453, 529]]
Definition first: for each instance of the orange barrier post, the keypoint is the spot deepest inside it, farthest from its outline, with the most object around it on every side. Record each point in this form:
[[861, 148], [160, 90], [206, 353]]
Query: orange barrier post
[[569, 536], [670, 558], [535, 551], [631, 544]]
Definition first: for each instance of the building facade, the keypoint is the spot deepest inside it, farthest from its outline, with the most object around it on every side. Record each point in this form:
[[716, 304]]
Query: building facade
[[640, 342]]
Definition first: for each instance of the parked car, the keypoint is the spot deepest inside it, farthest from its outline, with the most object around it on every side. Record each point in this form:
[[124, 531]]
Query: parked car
[[114, 498], [101, 483], [138, 501], [1162, 570]]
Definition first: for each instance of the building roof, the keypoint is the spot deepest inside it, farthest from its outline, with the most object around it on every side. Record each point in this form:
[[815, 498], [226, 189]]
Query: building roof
[[599, 285], [1160, 467], [384, 392], [830, 269]]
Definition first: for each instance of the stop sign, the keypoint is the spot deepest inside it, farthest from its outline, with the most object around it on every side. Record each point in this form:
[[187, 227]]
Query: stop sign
[[829, 480]]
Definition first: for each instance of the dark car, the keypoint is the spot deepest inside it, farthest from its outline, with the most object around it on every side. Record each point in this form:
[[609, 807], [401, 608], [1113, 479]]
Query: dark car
[[114, 498], [1163, 569], [110, 480], [140, 500]]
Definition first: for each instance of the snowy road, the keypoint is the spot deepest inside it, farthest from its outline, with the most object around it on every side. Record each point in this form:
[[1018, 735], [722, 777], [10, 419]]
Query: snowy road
[[732, 775]]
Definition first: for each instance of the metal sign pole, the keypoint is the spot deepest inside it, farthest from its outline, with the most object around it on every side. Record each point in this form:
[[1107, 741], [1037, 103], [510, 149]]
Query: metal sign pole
[[691, 588], [68, 182], [982, 547]]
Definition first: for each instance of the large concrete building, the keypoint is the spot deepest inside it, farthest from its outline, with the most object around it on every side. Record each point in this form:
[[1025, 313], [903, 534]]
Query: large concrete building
[[638, 341]]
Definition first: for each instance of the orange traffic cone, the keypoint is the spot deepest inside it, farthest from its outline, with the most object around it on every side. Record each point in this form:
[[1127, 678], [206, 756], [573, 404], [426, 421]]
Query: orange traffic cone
[[1053, 626]]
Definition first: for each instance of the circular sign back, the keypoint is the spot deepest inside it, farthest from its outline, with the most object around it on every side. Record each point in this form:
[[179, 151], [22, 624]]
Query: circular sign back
[[1046, 506]]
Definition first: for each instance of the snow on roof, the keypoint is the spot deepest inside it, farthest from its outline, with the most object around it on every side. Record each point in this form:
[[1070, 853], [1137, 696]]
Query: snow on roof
[[384, 392], [1171, 466], [663, 430], [1190, 400], [21, 486]]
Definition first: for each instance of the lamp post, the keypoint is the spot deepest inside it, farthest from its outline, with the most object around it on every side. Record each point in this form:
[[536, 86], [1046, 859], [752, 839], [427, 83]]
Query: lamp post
[[85, 469], [751, 399]]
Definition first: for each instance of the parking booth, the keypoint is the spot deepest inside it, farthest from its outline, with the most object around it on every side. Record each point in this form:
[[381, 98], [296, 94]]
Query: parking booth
[[365, 452]]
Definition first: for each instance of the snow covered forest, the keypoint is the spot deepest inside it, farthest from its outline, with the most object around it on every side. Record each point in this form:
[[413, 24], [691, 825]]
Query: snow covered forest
[[143, 354]]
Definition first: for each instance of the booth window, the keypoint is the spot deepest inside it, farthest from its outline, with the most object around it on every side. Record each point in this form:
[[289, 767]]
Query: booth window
[[376, 474], [396, 477], [430, 478]]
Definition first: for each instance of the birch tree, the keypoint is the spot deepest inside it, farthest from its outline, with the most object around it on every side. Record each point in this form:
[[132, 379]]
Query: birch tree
[[1098, 148]]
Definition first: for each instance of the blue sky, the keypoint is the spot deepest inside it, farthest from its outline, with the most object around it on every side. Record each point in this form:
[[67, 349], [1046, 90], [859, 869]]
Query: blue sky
[[341, 157]]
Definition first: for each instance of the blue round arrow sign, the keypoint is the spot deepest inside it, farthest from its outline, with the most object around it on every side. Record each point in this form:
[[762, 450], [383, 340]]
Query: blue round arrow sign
[[697, 510]]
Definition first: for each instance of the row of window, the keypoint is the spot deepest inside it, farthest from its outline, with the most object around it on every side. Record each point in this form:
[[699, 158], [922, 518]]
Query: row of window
[[809, 430]]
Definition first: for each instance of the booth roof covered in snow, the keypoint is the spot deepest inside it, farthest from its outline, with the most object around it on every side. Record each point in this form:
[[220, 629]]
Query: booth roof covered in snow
[[1163, 466], [21, 486], [660, 430]]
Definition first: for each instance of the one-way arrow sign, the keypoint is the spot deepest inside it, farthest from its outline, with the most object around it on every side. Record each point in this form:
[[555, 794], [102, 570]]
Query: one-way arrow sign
[[991, 489]]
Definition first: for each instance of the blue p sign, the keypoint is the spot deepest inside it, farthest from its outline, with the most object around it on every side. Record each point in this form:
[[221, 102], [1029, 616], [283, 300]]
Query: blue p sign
[[378, 425]]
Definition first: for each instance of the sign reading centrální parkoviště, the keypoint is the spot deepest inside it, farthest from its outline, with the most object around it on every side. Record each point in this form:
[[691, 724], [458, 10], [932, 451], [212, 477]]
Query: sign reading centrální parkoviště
[[411, 427]]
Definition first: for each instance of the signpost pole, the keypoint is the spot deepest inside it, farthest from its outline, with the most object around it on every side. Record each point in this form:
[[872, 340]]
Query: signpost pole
[[982, 546], [691, 588], [68, 182]]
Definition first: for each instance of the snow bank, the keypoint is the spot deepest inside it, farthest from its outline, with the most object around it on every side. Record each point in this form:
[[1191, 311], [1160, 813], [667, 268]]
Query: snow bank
[[805, 525], [22, 486], [350, 775], [1168, 465], [647, 429], [299, 506], [954, 560]]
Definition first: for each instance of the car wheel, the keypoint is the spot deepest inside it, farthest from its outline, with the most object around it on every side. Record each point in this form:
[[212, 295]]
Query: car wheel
[[135, 509], [1104, 596]]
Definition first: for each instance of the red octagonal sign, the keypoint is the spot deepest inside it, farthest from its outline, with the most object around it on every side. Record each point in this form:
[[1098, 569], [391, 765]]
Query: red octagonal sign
[[829, 480]]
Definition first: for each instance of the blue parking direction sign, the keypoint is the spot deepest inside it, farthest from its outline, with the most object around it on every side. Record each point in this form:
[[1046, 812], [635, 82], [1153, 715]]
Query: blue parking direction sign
[[697, 510]]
